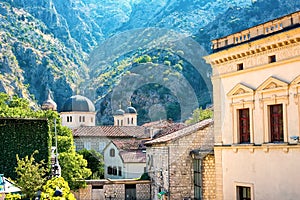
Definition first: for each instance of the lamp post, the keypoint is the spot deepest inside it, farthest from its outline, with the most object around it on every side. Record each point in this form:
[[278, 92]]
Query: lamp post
[[57, 169]]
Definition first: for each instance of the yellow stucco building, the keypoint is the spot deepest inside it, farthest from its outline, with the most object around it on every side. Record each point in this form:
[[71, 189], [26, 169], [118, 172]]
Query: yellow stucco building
[[256, 90]]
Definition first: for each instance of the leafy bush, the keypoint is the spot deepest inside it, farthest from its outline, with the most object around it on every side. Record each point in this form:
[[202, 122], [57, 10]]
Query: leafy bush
[[199, 115], [57, 183]]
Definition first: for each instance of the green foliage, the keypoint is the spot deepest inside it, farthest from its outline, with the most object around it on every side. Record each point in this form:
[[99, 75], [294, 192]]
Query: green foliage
[[95, 162], [143, 59], [12, 196], [30, 175], [54, 184], [199, 115], [73, 169], [178, 67], [22, 137], [167, 62]]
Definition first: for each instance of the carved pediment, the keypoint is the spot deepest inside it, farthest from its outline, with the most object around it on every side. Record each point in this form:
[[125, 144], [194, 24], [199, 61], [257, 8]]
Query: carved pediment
[[240, 90], [296, 82], [271, 84]]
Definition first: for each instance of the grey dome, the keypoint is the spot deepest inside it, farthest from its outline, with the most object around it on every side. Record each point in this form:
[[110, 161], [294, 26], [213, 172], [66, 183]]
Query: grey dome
[[130, 109], [120, 112], [78, 103]]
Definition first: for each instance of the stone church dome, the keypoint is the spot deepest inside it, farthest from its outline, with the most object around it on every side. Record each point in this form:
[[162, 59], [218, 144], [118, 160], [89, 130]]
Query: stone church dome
[[120, 112], [130, 109], [78, 103]]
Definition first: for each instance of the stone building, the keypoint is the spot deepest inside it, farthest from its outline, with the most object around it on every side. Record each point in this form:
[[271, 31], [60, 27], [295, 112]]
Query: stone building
[[179, 162], [256, 89]]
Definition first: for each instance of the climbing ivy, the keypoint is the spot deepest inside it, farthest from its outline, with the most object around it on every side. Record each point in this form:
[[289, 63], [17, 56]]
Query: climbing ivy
[[22, 137]]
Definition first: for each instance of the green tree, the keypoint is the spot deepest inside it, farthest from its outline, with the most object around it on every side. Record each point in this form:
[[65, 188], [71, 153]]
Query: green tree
[[95, 162], [57, 183], [199, 115], [30, 175], [74, 169]]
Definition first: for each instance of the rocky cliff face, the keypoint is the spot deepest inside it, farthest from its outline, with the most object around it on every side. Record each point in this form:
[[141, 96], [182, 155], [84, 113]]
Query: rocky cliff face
[[32, 60], [47, 44]]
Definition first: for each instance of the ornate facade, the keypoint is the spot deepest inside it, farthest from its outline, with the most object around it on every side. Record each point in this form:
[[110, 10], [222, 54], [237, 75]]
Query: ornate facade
[[256, 111]]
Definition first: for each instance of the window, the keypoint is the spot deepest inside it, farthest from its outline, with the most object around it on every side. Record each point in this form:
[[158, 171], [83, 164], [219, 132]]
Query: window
[[112, 152], [118, 122], [92, 119], [83, 118], [128, 121], [267, 30], [243, 193], [244, 125], [120, 171], [240, 66], [131, 120], [69, 118], [79, 118], [249, 36], [114, 171], [272, 59], [109, 170], [226, 42], [276, 123]]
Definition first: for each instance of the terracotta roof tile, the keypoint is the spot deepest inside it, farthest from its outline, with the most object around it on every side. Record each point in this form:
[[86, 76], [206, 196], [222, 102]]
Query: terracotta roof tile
[[130, 144], [133, 156], [111, 131], [180, 133]]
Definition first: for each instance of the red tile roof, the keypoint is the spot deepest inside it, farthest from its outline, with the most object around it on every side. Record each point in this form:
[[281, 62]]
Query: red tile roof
[[133, 156], [111, 131], [181, 133], [130, 144]]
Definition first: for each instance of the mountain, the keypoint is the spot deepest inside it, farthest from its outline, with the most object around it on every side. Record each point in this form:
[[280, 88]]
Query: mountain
[[116, 52]]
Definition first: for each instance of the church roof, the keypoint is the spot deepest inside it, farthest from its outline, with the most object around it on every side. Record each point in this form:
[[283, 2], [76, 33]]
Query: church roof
[[78, 103], [120, 112], [130, 109], [49, 104], [111, 131]]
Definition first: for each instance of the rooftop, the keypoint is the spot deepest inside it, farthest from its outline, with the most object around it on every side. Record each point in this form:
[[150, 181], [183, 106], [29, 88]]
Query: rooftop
[[278, 25], [181, 133], [136, 156], [111, 131]]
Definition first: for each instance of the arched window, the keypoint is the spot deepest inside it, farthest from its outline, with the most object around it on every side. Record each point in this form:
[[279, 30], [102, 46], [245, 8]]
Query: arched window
[[112, 152], [132, 120]]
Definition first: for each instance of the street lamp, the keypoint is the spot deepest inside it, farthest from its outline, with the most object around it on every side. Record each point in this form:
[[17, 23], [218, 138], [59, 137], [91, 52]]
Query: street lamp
[[57, 168]]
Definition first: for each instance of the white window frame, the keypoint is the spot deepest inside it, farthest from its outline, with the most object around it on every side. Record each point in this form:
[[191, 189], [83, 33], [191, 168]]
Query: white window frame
[[241, 184]]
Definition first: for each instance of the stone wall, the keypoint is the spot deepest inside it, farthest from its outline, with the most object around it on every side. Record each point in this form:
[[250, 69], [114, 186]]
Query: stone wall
[[208, 177], [170, 164], [115, 190]]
